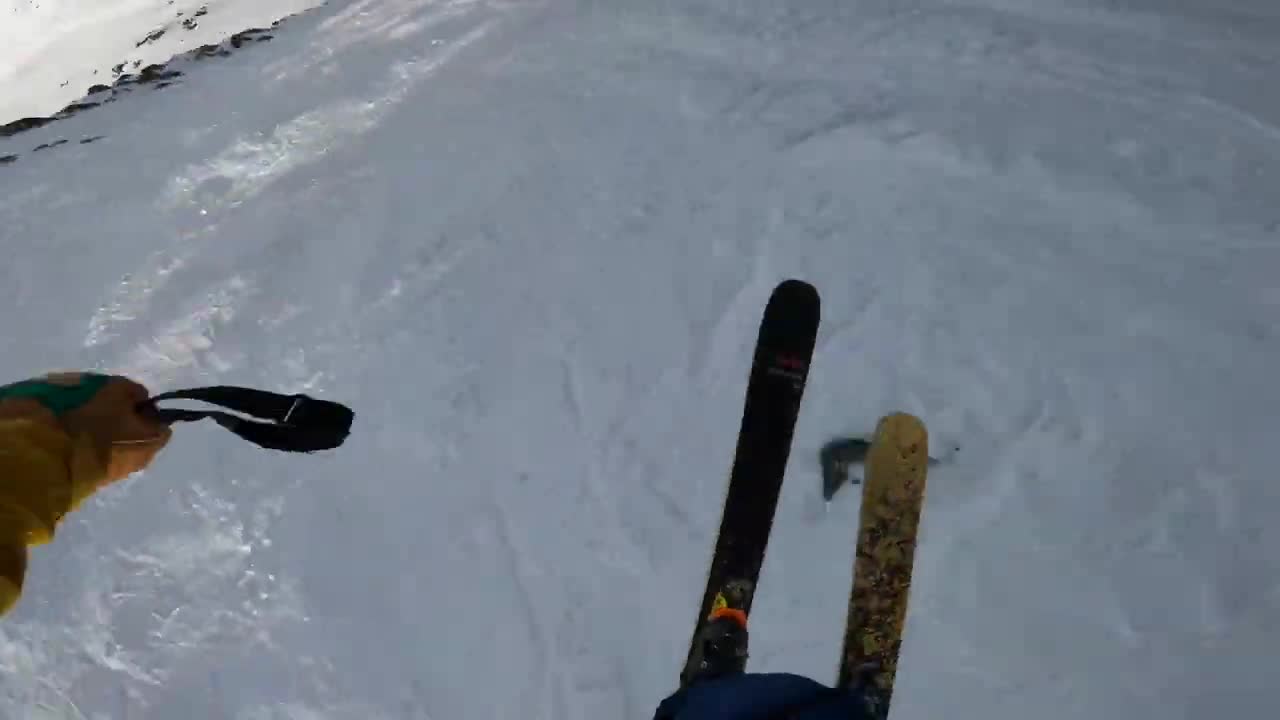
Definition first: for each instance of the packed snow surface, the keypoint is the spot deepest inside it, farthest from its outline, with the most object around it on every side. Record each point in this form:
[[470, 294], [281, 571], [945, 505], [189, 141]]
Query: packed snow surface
[[529, 242]]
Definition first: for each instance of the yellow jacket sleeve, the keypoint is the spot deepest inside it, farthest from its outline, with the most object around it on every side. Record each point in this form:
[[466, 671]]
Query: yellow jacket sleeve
[[44, 474], [62, 437]]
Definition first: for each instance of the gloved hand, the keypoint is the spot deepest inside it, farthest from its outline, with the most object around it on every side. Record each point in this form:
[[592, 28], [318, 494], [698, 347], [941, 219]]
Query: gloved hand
[[126, 440]]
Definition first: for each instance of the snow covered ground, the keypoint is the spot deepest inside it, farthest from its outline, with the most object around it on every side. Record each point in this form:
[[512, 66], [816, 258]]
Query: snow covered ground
[[530, 241], [55, 50]]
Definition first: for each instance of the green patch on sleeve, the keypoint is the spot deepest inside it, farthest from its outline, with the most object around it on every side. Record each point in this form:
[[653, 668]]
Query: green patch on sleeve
[[58, 398]]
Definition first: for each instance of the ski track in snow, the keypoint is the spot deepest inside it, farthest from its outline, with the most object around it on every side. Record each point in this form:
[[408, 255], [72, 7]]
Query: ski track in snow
[[530, 243]]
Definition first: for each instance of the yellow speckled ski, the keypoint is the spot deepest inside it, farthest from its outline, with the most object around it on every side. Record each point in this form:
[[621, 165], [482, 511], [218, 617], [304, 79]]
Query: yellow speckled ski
[[892, 497]]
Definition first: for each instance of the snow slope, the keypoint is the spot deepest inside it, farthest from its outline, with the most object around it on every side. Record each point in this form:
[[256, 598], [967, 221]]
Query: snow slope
[[55, 50], [529, 243]]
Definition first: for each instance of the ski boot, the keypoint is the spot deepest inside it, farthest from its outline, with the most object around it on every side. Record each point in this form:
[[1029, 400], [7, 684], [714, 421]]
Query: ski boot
[[721, 646]]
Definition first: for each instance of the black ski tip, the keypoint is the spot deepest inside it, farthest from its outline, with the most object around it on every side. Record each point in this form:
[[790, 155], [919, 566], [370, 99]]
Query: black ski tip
[[796, 290], [791, 317]]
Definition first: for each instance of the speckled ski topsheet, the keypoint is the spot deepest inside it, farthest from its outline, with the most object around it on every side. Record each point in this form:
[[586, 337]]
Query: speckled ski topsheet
[[892, 497]]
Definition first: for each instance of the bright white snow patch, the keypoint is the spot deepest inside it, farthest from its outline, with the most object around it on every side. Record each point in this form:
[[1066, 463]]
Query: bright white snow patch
[[52, 51]]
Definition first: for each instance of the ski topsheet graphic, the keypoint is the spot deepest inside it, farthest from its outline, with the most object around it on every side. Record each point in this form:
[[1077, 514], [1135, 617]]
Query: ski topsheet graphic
[[892, 497], [779, 369]]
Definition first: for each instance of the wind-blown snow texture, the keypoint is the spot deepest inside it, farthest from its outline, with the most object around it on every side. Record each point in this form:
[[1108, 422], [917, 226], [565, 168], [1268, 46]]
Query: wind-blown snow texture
[[529, 243]]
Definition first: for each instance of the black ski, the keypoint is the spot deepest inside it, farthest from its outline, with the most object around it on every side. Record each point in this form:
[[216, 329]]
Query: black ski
[[779, 369]]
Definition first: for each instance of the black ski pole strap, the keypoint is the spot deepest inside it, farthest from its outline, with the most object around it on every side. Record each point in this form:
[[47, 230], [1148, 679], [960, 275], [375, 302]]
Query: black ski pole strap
[[293, 423]]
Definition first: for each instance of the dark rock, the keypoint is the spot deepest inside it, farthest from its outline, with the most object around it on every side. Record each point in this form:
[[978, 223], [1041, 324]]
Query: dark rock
[[74, 108], [207, 51], [244, 36], [152, 37], [157, 73], [17, 126]]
